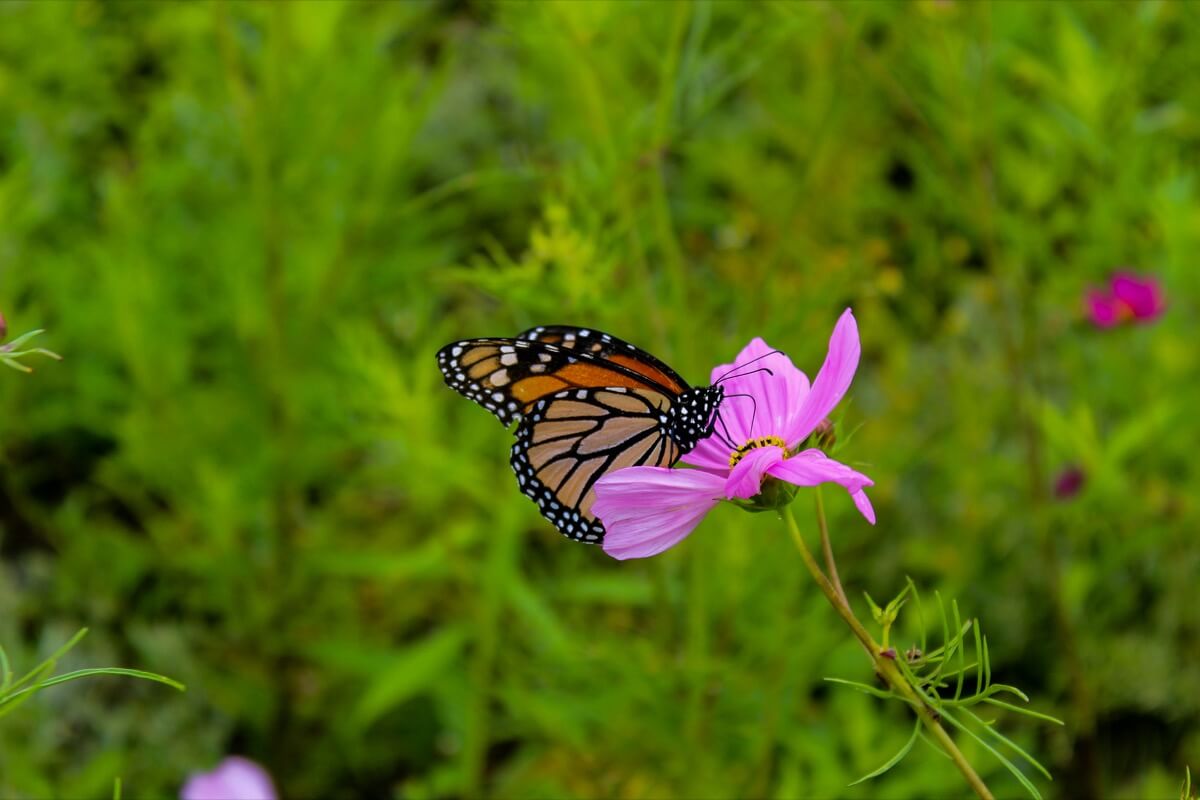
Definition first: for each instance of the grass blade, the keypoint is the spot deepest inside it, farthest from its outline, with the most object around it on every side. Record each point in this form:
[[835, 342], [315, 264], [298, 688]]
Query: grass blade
[[84, 673], [54, 657]]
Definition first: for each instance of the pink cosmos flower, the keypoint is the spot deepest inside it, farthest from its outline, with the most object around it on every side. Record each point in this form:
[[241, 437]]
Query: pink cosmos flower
[[235, 778], [1128, 297], [647, 510]]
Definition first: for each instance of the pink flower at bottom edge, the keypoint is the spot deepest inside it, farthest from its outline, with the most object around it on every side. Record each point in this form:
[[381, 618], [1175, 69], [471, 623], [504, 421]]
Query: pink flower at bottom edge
[[235, 778], [646, 510]]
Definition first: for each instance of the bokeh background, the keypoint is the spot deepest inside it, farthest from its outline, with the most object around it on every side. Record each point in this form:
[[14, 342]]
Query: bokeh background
[[248, 227]]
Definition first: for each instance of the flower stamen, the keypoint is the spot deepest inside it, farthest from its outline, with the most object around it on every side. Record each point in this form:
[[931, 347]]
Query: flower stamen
[[754, 444]]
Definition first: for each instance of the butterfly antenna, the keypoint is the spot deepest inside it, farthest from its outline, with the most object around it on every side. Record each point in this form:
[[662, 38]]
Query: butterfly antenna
[[767, 370], [725, 438], [728, 374], [753, 413]]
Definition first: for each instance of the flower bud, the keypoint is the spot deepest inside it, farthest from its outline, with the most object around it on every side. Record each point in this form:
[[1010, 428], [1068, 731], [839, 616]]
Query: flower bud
[[3, 328], [824, 436]]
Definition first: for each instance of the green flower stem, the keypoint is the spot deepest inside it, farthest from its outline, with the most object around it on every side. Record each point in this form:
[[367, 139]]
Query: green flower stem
[[827, 550], [885, 667]]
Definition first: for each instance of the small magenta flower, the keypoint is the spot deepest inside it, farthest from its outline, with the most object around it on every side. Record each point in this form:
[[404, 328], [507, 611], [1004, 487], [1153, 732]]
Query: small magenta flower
[[1069, 482], [1127, 298], [235, 778], [646, 510]]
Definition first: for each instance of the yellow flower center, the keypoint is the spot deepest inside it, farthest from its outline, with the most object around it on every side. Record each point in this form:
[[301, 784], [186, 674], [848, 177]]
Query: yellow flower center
[[753, 444]]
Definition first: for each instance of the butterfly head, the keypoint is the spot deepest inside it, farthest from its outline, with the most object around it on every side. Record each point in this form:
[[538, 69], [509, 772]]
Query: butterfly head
[[693, 415]]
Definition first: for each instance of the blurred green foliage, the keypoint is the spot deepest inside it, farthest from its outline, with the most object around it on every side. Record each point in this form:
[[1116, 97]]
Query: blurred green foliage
[[248, 227]]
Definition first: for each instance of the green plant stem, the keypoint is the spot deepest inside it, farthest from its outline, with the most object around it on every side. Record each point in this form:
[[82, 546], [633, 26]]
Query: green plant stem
[[827, 549], [885, 667]]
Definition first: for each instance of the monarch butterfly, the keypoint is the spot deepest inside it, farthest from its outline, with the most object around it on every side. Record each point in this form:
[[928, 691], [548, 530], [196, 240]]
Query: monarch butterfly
[[586, 404]]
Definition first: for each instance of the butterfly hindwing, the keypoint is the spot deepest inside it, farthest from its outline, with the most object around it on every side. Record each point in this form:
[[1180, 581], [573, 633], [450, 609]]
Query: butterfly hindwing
[[568, 441]]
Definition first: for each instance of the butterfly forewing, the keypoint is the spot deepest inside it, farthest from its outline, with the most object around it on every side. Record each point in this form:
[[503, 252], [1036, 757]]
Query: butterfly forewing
[[503, 375], [606, 347], [571, 439], [507, 376]]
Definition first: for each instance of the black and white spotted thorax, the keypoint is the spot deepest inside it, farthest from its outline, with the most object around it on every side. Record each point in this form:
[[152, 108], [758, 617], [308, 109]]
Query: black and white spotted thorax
[[692, 416]]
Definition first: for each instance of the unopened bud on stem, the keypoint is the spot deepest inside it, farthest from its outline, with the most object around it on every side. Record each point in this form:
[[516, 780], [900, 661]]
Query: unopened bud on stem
[[824, 436]]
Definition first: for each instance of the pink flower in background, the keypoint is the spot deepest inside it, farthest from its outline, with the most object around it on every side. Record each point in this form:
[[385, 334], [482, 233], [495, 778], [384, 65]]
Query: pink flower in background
[[235, 778], [1128, 297], [1069, 482], [646, 510]]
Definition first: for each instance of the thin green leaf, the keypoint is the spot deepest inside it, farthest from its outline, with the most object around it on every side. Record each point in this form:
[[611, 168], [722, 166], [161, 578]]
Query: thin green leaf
[[944, 649], [1026, 711], [952, 673], [85, 673], [5, 673], [54, 657], [1016, 747], [1020, 776], [11, 361], [962, 655], [876, 611], [979, 659], [987, 666], [997, 688], [12, 700], [16, 343], [894, 760], [935, 746], [920, 612], [862, 687]]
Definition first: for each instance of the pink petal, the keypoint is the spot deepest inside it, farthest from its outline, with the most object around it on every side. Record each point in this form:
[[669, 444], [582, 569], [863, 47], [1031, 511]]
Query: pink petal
[[646, 510], [235, 778], [863, 504], [745, 480], [812, 467], [711, 454], [776, 394], [774, 398], [832, 381], [1142, 295]]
